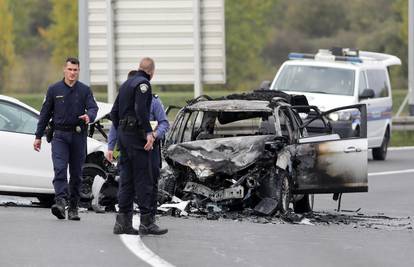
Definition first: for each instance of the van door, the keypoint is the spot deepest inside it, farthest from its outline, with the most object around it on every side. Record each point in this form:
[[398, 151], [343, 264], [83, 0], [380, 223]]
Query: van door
[[334, 162], [379, 108]]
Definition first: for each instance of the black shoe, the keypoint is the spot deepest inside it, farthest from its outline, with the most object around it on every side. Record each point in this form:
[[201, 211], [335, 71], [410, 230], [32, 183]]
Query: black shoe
[[73, 214], [123, 224], [148, 226], [73, 210], [58, 209]]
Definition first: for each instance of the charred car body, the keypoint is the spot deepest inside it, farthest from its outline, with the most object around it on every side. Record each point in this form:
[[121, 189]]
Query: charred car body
[[265, 150]]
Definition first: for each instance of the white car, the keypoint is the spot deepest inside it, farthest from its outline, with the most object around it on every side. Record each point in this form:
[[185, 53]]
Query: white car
[[25, 172], [339, 77]]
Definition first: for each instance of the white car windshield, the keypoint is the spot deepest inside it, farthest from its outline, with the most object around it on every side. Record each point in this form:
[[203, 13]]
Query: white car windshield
[[316, 79]]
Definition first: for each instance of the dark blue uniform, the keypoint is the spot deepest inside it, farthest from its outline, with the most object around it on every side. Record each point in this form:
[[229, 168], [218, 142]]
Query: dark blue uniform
[[157, 113], [130, 117], [64, 104]]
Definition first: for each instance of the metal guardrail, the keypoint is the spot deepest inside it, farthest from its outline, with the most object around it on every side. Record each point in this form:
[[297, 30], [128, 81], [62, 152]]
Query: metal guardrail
[[403, 123]]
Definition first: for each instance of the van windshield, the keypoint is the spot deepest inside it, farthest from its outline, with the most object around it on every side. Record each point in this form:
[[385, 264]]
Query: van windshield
[[316, 79]]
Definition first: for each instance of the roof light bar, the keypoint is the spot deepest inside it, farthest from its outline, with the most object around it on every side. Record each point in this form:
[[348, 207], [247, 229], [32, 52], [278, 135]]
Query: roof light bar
[[300, 56], [349, 59], [325, 56]]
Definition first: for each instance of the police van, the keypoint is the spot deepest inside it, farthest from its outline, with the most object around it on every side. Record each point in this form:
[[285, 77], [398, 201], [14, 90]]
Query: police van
[[340, 77]]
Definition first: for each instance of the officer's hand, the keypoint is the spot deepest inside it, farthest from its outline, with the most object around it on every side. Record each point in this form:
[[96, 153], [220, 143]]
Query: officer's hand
[[85, 118], [37, 144], [110, 155], [150, 142]]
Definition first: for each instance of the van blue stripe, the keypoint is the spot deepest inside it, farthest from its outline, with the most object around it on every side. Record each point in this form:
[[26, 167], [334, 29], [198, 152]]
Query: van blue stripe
[[379, 113]]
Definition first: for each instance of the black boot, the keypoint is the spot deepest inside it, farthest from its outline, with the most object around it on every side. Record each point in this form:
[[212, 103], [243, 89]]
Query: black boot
[[73, 211], [58, 209], [148, 226], [123, 224]]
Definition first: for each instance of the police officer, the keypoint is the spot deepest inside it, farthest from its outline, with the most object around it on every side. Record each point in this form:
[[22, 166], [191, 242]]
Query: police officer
[[71, 106], [157, 113], [131, 118]]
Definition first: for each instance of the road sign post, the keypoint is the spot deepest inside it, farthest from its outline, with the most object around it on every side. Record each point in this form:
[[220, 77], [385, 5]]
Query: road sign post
[[411, 56]]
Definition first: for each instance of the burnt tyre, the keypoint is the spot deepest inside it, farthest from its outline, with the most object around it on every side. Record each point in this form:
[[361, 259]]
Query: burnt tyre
[[284, 192], [380, 153], [274, 192], [304, 204], [46, 201], [89, 172]]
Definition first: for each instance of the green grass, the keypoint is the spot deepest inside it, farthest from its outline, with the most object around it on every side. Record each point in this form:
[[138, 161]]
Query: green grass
[[167, 98], [402, 138], [179, 98], [36, 100], [398, 96]]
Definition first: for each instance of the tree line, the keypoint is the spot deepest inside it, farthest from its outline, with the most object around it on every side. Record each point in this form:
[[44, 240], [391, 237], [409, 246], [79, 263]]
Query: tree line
[[35, 36]]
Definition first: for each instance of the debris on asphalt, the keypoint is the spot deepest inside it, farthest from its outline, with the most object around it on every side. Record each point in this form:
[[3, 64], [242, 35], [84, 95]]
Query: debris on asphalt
[[176, 204]]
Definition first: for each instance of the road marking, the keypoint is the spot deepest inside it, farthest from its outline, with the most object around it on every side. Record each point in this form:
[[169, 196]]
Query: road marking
[[390, 172], [136, 246]]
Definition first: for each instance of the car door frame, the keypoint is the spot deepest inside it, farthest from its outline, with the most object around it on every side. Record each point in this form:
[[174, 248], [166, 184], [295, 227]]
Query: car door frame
[[326, 163], [22, 175]]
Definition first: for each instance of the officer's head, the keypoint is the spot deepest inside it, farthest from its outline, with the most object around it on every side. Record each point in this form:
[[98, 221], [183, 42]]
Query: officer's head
[[71, 69], [147, 64]]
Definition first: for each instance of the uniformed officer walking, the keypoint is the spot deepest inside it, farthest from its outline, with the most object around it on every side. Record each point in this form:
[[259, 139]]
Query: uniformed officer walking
[[71, 106], [131, 118]]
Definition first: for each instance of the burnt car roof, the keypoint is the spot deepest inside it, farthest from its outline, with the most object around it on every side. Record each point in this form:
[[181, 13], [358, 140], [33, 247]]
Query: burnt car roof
[[257, 100], [231, 105]]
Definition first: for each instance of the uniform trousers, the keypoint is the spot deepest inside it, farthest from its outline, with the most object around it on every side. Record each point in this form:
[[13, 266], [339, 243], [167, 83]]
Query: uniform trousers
[[136, 173], [68, 149]]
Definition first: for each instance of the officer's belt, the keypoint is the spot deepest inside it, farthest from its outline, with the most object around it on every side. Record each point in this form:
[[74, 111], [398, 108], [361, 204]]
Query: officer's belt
[[131, 124], [68, 128]]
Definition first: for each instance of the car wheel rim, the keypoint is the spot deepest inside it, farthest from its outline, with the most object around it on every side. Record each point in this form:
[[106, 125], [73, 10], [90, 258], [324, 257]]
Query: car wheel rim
[[285, 194]]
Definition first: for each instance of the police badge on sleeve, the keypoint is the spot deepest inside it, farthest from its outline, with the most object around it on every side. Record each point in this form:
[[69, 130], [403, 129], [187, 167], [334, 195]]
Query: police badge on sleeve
[[143, 87]]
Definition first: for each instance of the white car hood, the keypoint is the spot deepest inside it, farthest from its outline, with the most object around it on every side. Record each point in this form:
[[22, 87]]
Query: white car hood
[[104, 109], [95, 145], [325, 101]]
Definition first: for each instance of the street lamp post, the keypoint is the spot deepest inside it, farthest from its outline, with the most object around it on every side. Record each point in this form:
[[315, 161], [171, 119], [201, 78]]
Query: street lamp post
[[411, 56]]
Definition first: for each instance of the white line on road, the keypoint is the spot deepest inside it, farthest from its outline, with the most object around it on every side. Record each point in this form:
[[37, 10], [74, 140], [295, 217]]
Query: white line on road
[[390, 172], [136, 246]]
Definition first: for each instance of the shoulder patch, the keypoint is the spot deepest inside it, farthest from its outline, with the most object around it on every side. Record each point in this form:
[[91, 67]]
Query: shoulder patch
[[143, 87]]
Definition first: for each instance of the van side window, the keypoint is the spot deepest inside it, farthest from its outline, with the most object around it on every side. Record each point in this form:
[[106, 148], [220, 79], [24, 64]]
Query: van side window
[[362, 82], [377, 81]]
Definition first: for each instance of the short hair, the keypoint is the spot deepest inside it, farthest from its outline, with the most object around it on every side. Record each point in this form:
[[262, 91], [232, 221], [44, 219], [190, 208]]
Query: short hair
[[72, 60], [132, 73], [147, 64]]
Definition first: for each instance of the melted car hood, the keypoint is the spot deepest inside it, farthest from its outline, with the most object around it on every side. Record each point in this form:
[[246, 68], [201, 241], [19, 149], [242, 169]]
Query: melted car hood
[[222, 155]]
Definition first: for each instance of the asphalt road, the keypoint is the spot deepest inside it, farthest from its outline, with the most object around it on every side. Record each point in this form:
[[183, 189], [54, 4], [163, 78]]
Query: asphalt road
[[373, 229]]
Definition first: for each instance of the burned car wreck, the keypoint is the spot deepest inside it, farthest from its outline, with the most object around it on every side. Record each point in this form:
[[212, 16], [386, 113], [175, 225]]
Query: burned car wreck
[[264, 150]]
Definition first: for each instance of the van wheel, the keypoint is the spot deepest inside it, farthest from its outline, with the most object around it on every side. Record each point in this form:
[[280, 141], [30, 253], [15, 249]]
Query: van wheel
[[305, 204], [380, 153]]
